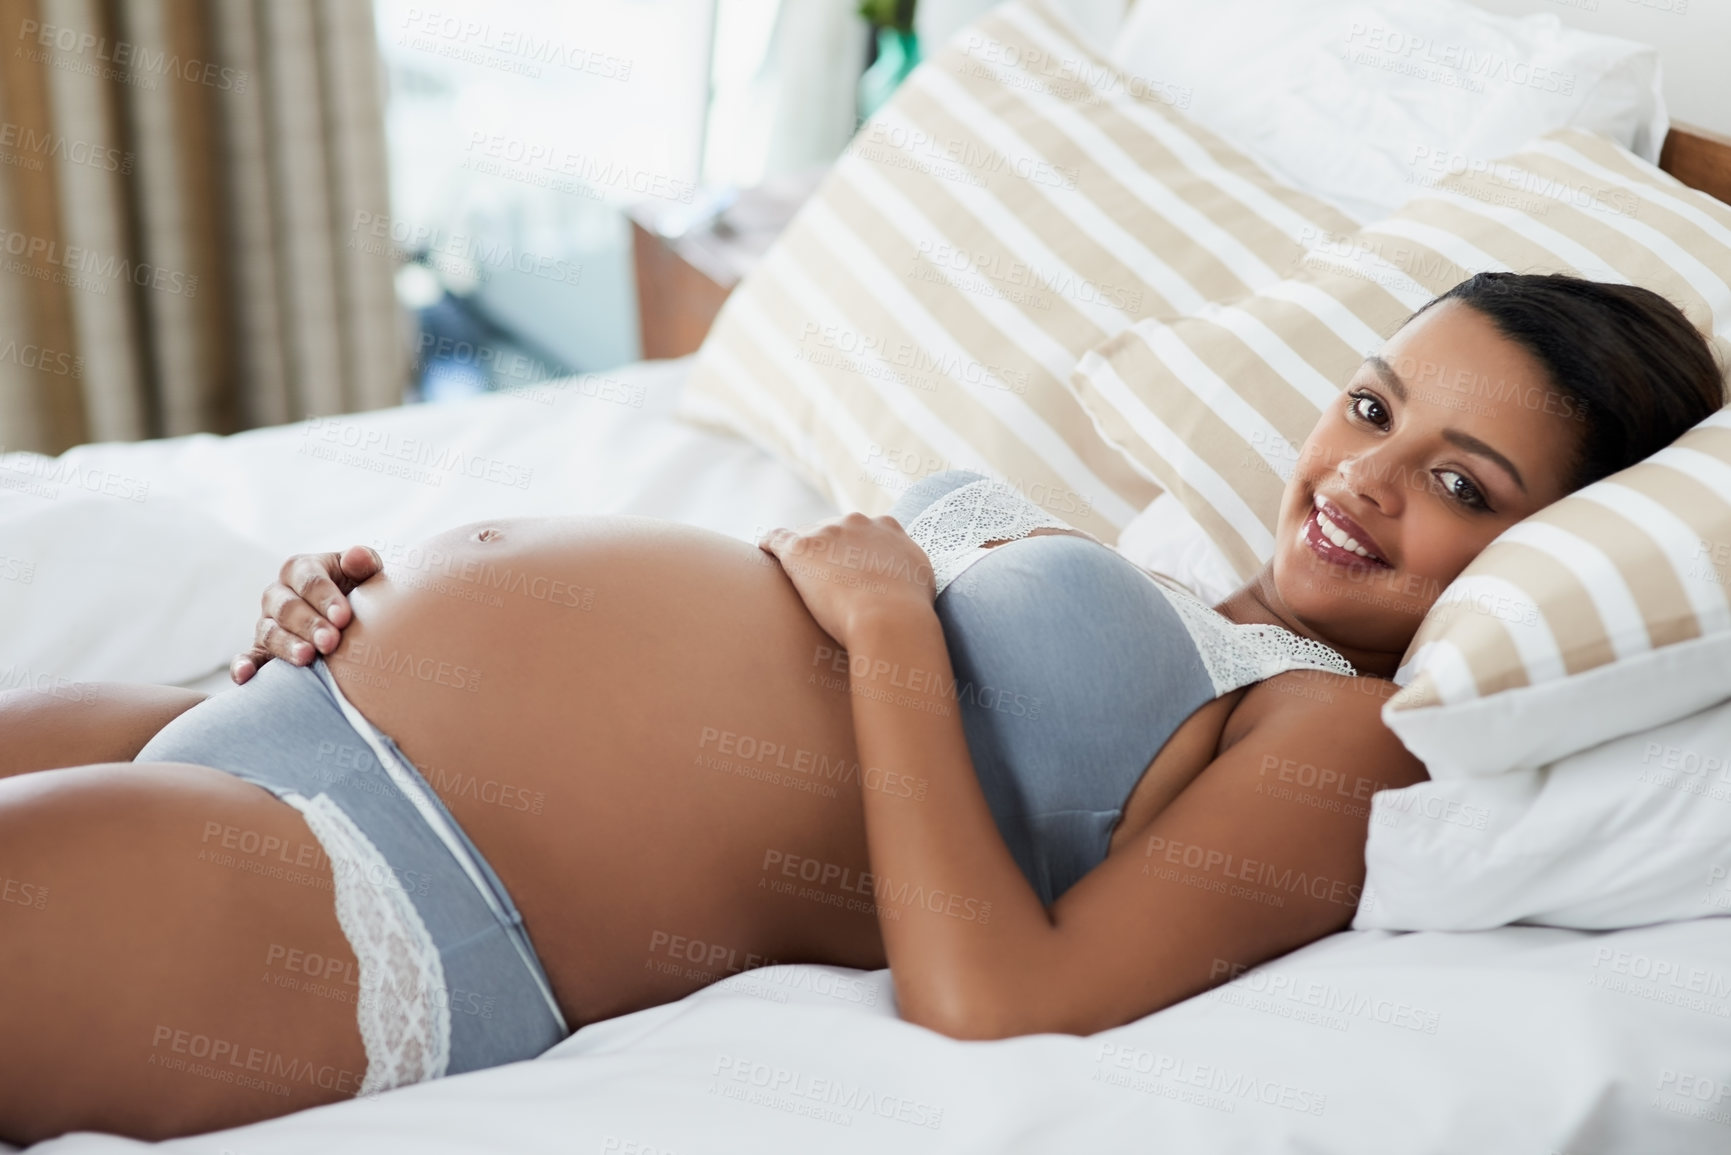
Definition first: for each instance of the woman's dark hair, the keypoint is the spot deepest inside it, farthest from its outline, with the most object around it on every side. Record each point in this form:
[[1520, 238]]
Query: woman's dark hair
[[1638, 372]]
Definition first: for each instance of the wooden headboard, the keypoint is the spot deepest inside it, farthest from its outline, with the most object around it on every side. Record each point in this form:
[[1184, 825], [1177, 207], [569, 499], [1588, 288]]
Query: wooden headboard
[[1699, 158]]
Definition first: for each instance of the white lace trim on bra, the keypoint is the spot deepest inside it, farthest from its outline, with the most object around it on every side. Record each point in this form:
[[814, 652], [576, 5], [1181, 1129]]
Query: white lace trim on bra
[[952, 529], [405, 1018], [1239, 653]]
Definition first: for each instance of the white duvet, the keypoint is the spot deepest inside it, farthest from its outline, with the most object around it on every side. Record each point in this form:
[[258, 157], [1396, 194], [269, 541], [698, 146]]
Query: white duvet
[[145, 561]]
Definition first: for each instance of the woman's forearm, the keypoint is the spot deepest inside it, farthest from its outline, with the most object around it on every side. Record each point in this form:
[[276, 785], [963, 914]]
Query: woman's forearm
[[962, 928]]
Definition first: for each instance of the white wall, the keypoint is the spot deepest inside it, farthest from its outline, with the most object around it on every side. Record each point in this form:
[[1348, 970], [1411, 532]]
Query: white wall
[[1693, 38], [782, 95], [1097, 20]]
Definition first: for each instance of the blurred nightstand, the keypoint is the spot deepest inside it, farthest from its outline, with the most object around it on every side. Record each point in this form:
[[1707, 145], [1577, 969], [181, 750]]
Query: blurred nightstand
[[682, 280]]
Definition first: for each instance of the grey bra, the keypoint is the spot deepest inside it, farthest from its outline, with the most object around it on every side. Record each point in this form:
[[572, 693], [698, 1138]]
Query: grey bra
[[1073, 666]]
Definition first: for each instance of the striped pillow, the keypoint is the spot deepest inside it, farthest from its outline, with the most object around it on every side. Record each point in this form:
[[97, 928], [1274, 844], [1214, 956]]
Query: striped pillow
[[1611, 609], [1018, 201]]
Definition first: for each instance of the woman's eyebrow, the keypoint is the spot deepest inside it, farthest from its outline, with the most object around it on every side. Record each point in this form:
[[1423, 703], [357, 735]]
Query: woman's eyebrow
[[1473, 445], [1389, 377]]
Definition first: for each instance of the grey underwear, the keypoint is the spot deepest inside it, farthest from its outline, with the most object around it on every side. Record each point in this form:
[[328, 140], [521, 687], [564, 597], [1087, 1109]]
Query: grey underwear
[[287, 730]]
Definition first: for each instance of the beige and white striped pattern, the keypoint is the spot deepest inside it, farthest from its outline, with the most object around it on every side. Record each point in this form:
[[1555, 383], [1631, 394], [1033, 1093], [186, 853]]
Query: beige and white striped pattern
[[1214, 406], [1016, 203]]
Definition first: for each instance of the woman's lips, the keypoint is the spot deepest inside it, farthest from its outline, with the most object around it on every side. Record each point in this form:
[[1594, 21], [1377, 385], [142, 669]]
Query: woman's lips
[[1342, 522], [1311, 534]]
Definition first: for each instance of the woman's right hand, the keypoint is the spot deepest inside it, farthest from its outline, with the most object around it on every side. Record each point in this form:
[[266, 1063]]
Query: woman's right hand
[[289, 626]]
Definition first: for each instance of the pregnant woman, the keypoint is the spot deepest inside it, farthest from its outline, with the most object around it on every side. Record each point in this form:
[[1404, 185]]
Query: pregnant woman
[[543, 772]]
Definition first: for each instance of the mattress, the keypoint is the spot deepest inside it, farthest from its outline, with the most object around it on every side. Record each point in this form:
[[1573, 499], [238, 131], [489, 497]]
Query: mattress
[[1521, 1039]]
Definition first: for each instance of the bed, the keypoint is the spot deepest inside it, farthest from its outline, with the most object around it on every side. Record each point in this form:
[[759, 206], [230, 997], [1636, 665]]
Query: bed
[[1518, 1039], [1515, 1039], [1528, 1039]]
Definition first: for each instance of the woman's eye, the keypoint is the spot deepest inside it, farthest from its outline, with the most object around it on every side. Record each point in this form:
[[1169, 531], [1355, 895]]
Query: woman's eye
[[1366, 407], [1461, 488]]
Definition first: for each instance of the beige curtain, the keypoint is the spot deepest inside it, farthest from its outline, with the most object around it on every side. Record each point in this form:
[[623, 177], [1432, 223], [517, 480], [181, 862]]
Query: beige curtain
[[180, 186]]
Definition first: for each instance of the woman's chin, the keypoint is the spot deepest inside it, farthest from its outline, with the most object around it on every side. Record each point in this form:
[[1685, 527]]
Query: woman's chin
[[1353, 609]]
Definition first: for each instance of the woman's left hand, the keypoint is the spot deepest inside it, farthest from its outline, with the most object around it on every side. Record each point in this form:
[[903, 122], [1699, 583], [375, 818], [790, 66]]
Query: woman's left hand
[[851, 568]]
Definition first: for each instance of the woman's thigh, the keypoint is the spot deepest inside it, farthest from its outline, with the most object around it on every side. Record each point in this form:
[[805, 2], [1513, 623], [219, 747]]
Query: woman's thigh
[[55, 722], [170, 957]]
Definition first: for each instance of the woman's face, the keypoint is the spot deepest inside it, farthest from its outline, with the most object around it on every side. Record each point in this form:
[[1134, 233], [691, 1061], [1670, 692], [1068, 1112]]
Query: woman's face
[[1448, 436]]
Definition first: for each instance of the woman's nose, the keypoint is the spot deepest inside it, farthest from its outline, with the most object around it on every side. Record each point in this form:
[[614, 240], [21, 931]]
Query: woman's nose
[[1368, 476]]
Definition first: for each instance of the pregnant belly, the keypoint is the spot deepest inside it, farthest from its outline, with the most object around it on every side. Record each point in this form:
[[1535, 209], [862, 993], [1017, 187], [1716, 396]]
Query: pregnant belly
[[634, 722]]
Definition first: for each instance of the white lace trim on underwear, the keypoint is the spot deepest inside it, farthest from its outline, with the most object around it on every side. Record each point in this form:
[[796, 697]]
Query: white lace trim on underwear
[[952, 528], [968, 516], [419, 794], [405, 1019]]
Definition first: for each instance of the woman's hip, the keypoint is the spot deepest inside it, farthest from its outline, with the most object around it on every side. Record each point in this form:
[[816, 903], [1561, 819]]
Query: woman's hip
[[153, 951], [448, 979]]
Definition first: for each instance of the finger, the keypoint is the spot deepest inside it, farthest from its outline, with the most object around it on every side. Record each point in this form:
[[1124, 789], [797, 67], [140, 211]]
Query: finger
[[290, 611], [246, 665], [771, 541], [359, 563], [786, 543], [273, 639], [314, 577]]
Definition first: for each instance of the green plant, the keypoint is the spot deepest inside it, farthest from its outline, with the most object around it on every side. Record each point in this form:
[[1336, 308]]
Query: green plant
[[897, 14]]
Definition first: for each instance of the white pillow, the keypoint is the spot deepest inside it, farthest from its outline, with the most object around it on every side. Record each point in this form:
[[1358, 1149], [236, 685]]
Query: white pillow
[[123, 590], [1166, 539], [1365, 102], [1633, 831]]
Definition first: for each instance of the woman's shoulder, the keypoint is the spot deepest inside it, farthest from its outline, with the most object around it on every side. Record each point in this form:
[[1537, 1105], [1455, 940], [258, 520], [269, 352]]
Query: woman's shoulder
[[1309, 689], [1324, 714]]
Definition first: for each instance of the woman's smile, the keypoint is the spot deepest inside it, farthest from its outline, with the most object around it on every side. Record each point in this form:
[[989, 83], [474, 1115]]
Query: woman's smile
[[1332, 535]]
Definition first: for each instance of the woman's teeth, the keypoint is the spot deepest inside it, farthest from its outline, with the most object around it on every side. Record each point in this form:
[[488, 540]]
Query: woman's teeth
[[1339, 536]]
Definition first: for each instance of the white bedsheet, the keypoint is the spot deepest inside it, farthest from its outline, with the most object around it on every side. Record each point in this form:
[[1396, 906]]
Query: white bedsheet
[[1513, 1040], [231, 508], [1522, 1040]]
